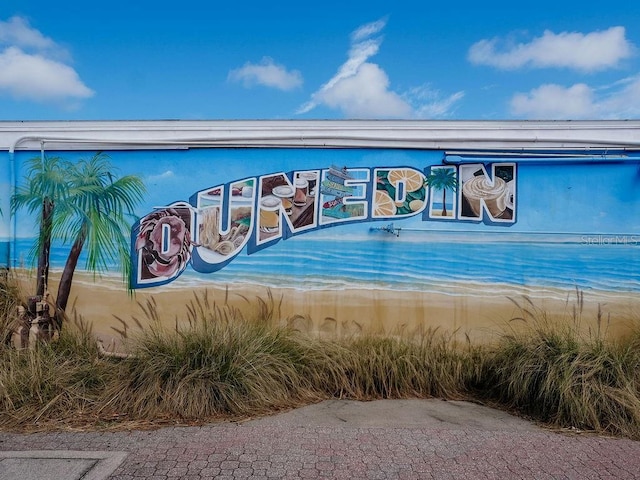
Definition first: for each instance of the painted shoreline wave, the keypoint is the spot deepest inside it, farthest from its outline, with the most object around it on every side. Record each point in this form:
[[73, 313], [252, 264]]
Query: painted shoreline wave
[[451, 268], [113, 282]]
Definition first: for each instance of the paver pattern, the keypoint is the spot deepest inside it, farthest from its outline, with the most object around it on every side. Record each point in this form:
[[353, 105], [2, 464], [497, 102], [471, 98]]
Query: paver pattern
[[233, 451]]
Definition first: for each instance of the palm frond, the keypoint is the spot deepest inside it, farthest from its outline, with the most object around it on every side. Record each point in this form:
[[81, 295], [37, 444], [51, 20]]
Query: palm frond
[[442, 178], [89, 207]]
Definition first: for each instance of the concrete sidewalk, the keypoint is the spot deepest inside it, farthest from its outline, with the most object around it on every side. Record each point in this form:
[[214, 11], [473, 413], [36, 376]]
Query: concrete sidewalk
[[387, 439]]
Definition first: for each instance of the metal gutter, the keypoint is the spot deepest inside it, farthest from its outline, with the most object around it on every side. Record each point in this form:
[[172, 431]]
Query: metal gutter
[[512, 135]]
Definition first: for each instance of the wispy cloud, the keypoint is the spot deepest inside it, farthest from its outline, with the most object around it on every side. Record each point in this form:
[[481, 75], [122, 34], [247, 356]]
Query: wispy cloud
[[17, 31], [620, 100], [361, 89], [351, 98], [368, 29], [166, 175], [588, 52], [266, 73], [34, 67], [429, 102]]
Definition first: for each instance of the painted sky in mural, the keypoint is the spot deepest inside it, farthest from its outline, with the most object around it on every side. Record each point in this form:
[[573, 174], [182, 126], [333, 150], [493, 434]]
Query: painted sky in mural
[[600, 197]]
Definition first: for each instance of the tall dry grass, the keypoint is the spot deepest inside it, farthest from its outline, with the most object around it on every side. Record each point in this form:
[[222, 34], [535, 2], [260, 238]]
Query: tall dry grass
[[221, 361], [60, 381], [563, 372], [216, 362], [424, 364], [10, 299]]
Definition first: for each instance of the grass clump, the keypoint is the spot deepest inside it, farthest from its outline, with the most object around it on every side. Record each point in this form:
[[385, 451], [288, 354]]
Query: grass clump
[[10, 299], [218, 364], [553, 371], [60, 380], [427, 364]]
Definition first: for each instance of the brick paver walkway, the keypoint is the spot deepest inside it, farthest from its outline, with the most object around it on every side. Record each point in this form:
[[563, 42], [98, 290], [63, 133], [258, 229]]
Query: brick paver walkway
[[230, 451]]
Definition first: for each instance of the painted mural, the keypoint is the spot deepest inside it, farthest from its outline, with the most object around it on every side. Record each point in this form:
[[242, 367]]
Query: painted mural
[[220, 221], [347, 238]]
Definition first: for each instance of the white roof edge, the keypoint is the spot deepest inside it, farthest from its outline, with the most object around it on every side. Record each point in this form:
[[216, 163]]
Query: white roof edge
[[418, 134]]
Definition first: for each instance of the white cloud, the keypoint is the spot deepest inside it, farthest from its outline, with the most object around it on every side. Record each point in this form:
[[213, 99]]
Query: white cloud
[[16, 31], [361, 89], [362, 48], [35, 77], [166, 175], [430, 103], [365, 95], [554, 102], [580, 101], [266, 73], [368, 29], [33, 66], [588, 52]]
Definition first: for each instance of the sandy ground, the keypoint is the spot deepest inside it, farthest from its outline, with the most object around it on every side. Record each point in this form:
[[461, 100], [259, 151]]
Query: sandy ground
[[479, 312]]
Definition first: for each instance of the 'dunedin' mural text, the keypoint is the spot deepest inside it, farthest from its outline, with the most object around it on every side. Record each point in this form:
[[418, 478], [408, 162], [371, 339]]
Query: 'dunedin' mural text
[[219, 221]]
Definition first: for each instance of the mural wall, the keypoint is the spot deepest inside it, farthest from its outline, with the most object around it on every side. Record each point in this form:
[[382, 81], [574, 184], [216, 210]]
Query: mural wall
[[210, 230], [348, 239]]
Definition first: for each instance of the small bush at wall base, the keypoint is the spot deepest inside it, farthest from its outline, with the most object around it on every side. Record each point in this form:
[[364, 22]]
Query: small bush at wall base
[[212, 368], [552, 371], [59, 381]]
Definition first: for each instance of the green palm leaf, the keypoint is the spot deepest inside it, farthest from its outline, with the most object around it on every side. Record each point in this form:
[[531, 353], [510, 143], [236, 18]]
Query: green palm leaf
[[443, 178], [84, 204], [96, 217]]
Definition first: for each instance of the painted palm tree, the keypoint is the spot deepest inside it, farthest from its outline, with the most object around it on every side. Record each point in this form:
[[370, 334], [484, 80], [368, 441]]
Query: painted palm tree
[[96, 216], [46, 188], [443, 178]]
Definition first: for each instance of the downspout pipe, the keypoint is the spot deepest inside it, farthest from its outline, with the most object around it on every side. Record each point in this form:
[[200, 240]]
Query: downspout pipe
[[13, 173], [13, 222]]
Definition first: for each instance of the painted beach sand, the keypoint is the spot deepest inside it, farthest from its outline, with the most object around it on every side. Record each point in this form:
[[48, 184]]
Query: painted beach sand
[[481, 315], [397, 284]]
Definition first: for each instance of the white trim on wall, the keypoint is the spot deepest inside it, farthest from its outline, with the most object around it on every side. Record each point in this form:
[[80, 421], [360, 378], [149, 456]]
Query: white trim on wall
[[434, 135]]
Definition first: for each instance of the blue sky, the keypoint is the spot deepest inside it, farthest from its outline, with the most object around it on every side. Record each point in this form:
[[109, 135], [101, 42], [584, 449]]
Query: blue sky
[[590, 199], [487, 60]]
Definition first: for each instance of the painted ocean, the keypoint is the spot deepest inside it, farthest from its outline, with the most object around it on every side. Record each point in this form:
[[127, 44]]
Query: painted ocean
[[418, 262]]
